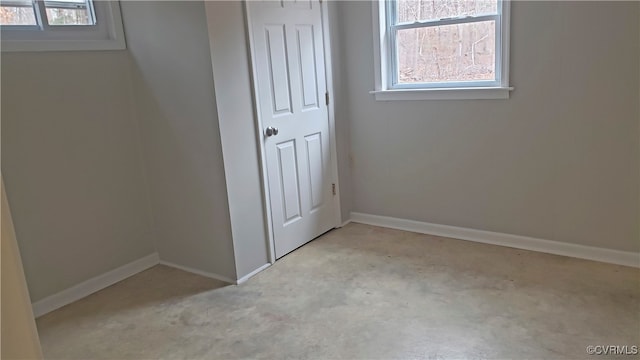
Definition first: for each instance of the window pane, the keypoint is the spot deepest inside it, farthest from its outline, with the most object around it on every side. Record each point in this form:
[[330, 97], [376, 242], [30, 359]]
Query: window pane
[[69, 12], [461, 52], [422, 10], [17, 13]]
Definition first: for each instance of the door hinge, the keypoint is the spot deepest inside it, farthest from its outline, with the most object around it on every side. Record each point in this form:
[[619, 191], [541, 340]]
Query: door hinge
[[326, 98], [333, 189]]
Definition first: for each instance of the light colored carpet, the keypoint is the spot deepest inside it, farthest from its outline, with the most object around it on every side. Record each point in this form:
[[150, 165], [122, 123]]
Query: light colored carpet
[[361, 292]]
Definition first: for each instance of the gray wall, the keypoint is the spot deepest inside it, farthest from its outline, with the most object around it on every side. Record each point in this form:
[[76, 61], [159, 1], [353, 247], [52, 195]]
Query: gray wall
[[238, 133], [72, 166], [179, 124], [558, 161]]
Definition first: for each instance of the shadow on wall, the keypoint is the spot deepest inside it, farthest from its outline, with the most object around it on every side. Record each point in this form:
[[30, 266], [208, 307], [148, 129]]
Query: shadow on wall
[[189, 225]]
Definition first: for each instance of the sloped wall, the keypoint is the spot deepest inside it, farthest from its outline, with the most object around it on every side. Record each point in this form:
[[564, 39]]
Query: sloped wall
[[176, 105]]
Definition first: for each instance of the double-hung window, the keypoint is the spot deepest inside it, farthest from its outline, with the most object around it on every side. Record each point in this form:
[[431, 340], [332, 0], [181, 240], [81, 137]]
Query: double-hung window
[[442, 49], [40, 25]]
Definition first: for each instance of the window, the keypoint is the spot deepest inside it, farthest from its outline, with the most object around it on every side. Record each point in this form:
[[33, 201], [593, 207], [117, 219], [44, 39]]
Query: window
[[40, 25], [443, 49]]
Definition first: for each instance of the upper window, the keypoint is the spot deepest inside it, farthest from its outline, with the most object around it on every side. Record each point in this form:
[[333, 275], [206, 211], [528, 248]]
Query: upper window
[[39, 25], [445, 48]]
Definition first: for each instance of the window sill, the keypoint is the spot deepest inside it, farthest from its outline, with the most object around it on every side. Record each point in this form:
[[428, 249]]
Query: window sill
[[478, 93]]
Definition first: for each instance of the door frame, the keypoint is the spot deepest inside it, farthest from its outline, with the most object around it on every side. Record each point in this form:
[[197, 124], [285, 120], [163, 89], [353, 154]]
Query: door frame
[[326, 42]]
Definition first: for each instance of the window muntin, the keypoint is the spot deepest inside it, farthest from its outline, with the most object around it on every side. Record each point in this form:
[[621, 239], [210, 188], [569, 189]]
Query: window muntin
[[444, 44]]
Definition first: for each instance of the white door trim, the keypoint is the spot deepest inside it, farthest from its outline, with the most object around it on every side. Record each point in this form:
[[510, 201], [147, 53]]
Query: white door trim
[[326, 38], [259, 137], [259, 127]]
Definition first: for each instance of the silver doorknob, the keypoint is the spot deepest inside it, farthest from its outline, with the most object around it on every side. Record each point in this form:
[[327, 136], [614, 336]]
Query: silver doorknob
[[271, 131]]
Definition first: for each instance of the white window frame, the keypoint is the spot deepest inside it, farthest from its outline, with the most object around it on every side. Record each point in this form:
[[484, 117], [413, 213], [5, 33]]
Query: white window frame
[[384, 59], [106, 34]]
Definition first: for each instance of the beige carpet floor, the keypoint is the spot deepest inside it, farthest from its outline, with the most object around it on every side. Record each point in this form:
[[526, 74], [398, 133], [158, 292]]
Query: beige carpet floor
[[362, 292]]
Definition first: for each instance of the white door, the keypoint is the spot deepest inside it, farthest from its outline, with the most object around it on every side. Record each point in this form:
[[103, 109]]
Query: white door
[[288, 57]]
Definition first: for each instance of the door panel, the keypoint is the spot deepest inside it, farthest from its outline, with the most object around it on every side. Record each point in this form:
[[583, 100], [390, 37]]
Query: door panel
[[278, 71], [288, 56], [316, 172], [289, 180], [300, 4], [307, 65]]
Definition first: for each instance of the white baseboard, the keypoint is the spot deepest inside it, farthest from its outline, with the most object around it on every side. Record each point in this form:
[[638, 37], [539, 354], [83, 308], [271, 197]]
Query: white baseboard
[[515, 241], [93, 285], [251, 274], [345, 223], [198, 272], [216, 276]]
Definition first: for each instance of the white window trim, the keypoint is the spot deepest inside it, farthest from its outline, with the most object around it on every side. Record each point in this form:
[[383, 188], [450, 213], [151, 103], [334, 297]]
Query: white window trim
[[107, 34], [385, 92]]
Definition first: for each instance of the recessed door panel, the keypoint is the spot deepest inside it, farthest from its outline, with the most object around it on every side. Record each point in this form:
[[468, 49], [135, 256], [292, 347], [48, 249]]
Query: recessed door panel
[[300, 4], [289, 180], [276, 42], [307, 65], [316, 171]]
